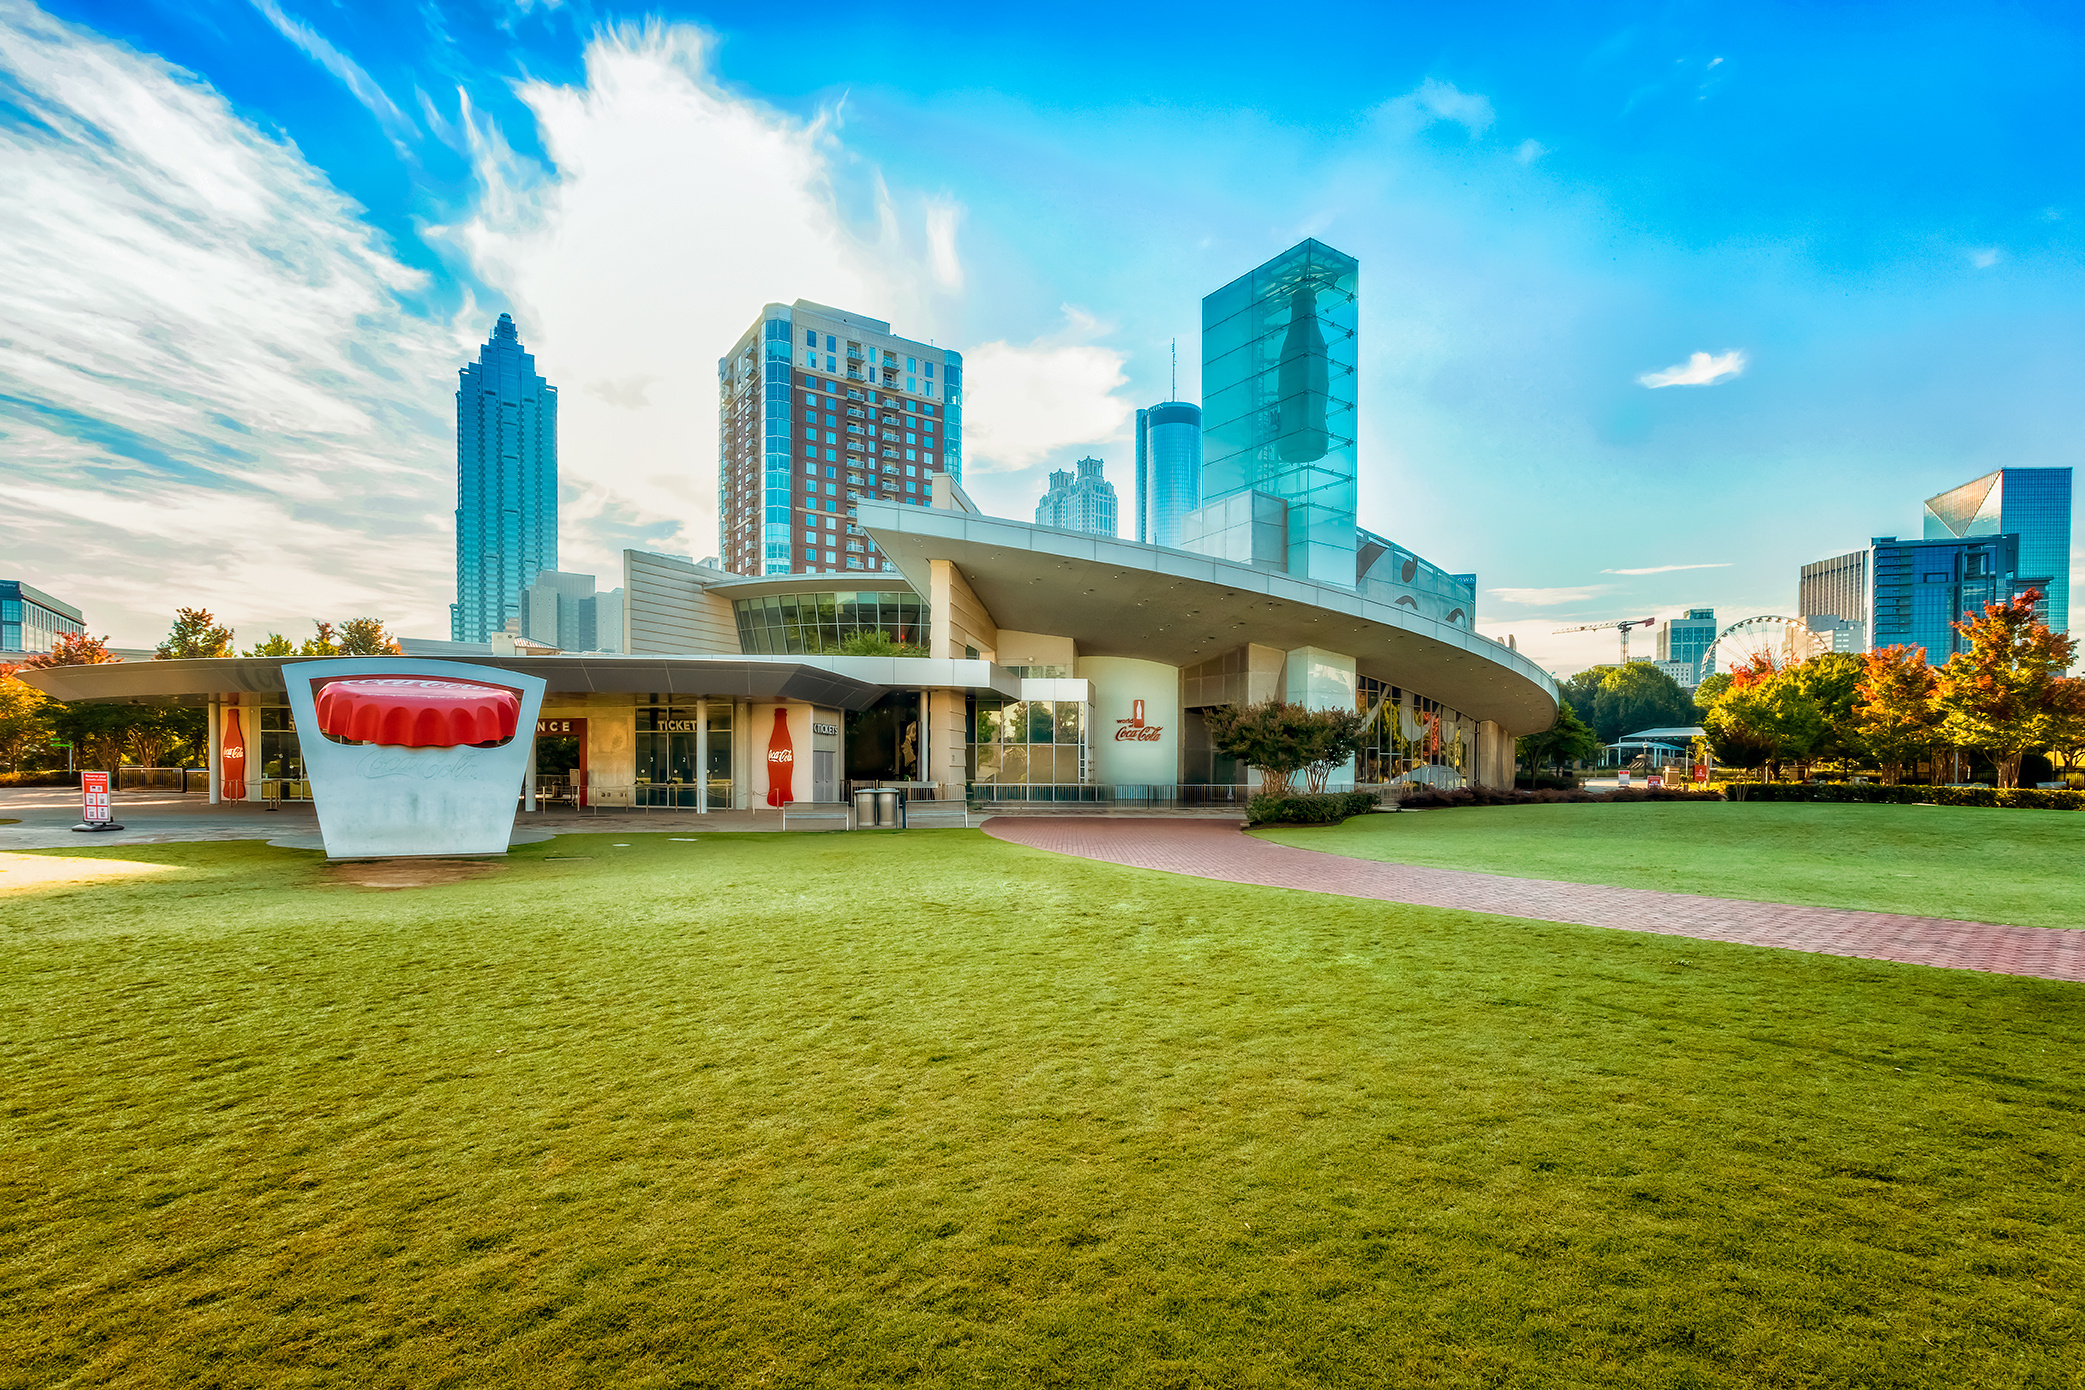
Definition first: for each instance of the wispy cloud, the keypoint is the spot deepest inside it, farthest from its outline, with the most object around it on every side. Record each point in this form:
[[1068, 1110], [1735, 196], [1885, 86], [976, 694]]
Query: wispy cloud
[[1434, 100], [359, 83], [215, 396], [1669, 569], [1546, 598], [1028, 401], [1529, 151], [1984, 257], [1699, 370]]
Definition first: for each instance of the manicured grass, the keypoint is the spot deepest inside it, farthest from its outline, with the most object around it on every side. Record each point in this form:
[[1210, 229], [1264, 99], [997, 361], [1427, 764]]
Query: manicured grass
[[933, 1110], [1967, 863]]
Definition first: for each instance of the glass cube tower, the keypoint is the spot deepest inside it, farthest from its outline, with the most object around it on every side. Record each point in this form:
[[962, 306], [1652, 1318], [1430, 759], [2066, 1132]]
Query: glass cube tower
[[1279, 364], [2031, 503]]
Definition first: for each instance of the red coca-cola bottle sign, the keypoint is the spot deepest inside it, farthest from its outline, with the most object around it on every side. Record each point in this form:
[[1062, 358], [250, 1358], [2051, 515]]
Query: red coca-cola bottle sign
[[232, 758], [781, 762]]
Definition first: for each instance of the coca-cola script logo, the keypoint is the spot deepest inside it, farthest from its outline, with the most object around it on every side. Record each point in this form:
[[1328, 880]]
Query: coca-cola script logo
[[1134, 729]]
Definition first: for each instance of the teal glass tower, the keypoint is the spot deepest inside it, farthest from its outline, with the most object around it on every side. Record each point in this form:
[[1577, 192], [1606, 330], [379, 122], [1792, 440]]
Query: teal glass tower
[[2031, 503], [506, 484], [1169, 469], [1279, 364]]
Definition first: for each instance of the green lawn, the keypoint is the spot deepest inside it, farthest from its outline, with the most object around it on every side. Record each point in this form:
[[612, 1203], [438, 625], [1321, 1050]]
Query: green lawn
[[1963, 862], [933, 1110]]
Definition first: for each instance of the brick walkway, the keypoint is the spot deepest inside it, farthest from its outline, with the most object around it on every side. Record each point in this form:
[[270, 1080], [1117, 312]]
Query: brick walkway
[[1208, 849]]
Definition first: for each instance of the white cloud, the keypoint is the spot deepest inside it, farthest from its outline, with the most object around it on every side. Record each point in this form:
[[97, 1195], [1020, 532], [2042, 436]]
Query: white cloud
[[215, 396], [1027, 402], [669, 212], [1698, 370], [1545, 598], [1529, 151], [1984, 257], [1668, 569], [395, 122], [1434, 100]]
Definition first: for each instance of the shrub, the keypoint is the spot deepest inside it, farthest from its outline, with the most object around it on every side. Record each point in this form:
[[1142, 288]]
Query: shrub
[[2030, 798], [57, 778], [1321, 808], [1433, 799]]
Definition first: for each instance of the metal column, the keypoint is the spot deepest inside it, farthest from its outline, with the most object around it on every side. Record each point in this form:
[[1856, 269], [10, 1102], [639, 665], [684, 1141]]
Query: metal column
[[702, 755]]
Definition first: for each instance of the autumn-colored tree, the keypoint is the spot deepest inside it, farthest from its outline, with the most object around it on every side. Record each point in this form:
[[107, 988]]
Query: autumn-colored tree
[[276, 645], [195, 633], [2067, 722], [2000, 695], [1896, 720], [366, 637], [24, 717], [73, 649], [323, 644]]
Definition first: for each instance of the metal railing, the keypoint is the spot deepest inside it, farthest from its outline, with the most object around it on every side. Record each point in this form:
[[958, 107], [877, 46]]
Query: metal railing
[[1109, 794]]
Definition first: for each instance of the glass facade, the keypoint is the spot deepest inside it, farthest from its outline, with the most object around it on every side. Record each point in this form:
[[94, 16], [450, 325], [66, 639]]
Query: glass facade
[[1279, 359], [281, 757], [814, 623], [1388, 573], [2033, 504], [1687, 639], [1922, 588], [666, 753], [1027, 742], [32, 621], [1169, 469], [1412, 738], [506, 484]]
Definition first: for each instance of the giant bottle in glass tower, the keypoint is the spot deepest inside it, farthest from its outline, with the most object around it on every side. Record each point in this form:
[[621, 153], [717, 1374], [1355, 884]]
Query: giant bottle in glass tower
[[506, 484]]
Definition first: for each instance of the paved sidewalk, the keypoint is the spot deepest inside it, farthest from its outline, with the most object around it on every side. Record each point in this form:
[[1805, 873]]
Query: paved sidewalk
[[1206, 849]]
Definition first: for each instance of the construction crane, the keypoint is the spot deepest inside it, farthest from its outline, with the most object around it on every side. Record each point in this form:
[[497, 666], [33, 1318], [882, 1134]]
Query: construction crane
[[1624, 625]]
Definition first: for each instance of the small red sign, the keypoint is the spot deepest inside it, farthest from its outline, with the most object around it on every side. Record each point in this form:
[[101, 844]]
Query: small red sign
[[1134, 729], [232, 759], [781, 762], [94, 797]]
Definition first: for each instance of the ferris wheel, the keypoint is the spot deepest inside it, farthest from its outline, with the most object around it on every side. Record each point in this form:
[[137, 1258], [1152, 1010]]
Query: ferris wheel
[[1736, 643]]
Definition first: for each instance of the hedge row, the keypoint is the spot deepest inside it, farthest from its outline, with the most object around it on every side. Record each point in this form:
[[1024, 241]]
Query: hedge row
[[2031, 798], [1433, 799], [1324, 808], [59, 778]]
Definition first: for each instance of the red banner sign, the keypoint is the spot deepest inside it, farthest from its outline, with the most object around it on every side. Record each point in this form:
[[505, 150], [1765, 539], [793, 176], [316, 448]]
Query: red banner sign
[[94, 797], [781, 762], [232, 759]]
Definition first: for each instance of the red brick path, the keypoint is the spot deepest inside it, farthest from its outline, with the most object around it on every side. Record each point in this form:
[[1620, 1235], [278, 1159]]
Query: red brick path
[[1218, 850]]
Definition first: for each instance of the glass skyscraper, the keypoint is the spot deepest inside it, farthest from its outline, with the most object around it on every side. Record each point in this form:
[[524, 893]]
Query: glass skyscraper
[[506, 484], [1278, 408], [1169, 469], [1922, 588], [2031, 503]]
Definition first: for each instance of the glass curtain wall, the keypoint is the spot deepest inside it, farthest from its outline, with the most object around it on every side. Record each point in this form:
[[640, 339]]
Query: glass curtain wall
[[1412, 739], [1279, 359], [282, 758], [1037, 744], [809, 624], [666, 748]]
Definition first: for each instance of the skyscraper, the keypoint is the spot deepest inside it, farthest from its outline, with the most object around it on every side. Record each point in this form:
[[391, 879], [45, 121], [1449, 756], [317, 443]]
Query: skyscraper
[[506, 484], [1839, 588], [1085, 504], [1687, 639], [1278, 373], [817, 408], [1920, 589], [2031, 503], [1169, 469], [567, 611]]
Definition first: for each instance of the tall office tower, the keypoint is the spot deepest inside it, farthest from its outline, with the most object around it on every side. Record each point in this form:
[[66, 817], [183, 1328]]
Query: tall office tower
[[1687, 639], [1169, 469], [565, 611], [1922, 588], [818, 408], [2031, 503], [1085, 504], [1278, 374], [506, 484], [1838, 588]]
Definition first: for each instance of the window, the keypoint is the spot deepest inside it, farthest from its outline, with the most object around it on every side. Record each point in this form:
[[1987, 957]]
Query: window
[[929, 410], [927, 370], [811, 415], [831, 421], [911, 486], [811, 537], [828, 557], [832, 489], [910, 471], [810, 338], [910, 438], [832, 344], [810, 451], [832, 472], [812, 469]]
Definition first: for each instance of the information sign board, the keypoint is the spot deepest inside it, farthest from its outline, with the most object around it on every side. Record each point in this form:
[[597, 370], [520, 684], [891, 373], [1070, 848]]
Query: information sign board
[[94, 803]]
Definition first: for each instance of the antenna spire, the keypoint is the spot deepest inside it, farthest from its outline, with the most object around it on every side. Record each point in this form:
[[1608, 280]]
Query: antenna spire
[[1176, 371]]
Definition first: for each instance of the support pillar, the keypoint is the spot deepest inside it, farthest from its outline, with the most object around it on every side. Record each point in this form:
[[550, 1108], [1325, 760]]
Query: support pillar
[[702, 755]]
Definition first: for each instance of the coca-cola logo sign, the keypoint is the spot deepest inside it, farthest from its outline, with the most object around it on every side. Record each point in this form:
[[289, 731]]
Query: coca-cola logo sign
[[1134, 729]]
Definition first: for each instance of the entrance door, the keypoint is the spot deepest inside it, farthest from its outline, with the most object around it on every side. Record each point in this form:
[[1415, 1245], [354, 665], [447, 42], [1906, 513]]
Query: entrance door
[[823, 764], [561, 761]]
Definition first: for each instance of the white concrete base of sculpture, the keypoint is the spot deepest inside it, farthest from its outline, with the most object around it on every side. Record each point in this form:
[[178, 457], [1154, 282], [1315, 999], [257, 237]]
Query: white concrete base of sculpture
[[376, 801]]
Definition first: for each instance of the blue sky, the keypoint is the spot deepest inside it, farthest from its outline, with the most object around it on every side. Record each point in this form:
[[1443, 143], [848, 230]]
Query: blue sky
[[252, 240]]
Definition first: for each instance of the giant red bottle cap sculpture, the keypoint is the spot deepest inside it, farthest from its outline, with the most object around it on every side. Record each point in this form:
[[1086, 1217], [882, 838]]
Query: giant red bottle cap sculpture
[[405, 713]]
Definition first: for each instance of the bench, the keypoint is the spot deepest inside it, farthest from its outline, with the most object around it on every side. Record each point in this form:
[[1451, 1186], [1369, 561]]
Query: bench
[[815, 815], [937, 815]]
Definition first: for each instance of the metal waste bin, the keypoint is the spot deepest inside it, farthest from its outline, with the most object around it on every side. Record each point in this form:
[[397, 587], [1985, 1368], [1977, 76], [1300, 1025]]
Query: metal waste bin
[[865, 810], [890, 808]]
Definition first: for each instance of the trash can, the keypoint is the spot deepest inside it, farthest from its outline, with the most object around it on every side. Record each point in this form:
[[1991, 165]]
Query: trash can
[[890, 808], [864, 810]]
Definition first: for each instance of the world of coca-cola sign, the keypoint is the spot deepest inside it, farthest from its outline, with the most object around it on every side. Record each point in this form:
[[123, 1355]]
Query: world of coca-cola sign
[[412, 757], [1134, 729]]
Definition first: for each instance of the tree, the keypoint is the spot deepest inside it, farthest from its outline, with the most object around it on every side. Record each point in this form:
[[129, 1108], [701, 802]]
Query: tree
[[321, 645], [73, 649], [1832, 680], [195, 633], [1569, 739], [1271, 735], [24, 717], [1896, 721], [365, 637], [1739, 733], [2000, 695], [98, 731], [873, 644], [2067, 726], [1761, 722], [1330, 737], [1618, 700], [276, 645]]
